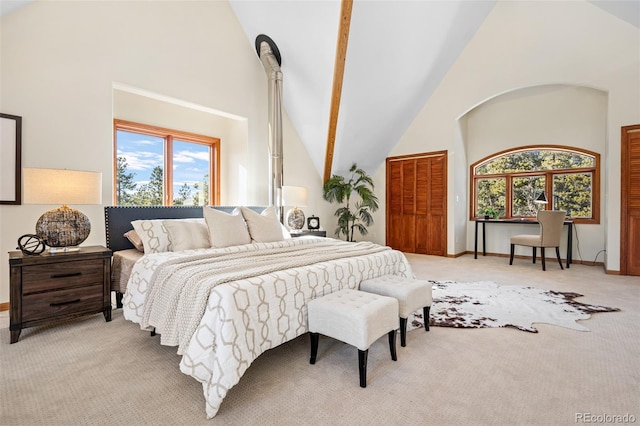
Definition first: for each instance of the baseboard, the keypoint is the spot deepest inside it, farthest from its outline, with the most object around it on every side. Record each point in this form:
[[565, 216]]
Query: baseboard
[[495, 254], [453, 256], [587, 262], [564, 261], [611, 272], [4, 306]]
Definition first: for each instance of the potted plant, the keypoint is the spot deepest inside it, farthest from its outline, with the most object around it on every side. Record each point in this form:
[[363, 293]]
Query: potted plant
[[490, 212], [356, 216]]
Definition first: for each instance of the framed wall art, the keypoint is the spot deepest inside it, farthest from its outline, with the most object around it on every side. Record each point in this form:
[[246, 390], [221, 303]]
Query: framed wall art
[[10, 159]]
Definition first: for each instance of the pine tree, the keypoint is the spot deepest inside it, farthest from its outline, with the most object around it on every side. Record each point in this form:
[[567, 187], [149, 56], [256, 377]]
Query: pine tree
[[125, 184]]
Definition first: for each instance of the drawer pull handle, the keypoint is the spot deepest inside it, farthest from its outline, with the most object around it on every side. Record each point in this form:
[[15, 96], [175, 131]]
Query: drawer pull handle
[[64, 303], [72, 274]]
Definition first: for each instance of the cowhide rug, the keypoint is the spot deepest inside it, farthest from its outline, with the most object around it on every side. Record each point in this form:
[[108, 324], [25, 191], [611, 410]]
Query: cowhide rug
[[487, 304]]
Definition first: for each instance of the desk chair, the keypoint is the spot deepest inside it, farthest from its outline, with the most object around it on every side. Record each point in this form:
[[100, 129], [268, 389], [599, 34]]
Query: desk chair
[[551, 222]]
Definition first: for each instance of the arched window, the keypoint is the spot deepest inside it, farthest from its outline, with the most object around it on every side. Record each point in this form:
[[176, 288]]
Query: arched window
[[510, 182]]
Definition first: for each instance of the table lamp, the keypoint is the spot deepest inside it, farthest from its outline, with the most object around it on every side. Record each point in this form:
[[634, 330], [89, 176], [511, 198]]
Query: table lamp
[[63, 228], [294, 196], [541, 199]]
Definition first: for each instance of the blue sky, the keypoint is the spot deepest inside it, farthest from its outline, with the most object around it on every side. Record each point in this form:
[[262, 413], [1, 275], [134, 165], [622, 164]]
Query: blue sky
[[144, 152]]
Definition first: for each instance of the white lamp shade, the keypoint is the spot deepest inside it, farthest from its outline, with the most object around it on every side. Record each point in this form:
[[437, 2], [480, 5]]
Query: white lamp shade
[[57, 186], [294, 196]]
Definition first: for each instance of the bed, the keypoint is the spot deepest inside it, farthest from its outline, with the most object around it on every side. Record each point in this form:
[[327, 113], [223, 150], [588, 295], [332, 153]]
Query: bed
[[223, 306]]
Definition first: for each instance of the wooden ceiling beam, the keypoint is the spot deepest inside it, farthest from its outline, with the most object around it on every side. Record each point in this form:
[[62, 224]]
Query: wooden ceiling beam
[[338, 75]]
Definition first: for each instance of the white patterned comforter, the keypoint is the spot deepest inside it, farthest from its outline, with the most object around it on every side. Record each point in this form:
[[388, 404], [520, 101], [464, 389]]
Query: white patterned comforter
[[224, 307]]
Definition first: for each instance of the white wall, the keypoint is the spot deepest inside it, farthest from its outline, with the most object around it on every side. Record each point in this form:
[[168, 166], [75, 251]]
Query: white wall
[[550, 115], [61, 60], [529, 44]]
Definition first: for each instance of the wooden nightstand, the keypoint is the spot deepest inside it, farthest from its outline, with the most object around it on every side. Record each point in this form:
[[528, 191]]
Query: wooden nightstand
[[306, 232], [51, 287]]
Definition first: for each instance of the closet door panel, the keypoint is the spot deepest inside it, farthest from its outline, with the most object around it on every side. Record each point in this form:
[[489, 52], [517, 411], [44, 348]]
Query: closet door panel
[[630, 206], [416, 203], [394, 205]]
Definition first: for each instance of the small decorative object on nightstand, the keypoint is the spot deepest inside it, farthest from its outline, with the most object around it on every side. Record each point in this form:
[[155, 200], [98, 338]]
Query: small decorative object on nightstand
[[56, 286], [313, 223]]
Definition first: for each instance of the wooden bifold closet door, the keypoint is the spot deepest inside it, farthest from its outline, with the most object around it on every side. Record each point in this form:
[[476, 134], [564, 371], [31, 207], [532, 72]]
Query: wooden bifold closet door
[[630, 202], [416, 204]]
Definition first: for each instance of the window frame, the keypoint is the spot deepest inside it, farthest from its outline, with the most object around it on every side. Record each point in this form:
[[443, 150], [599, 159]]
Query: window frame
[[548, 176], [169, 135]]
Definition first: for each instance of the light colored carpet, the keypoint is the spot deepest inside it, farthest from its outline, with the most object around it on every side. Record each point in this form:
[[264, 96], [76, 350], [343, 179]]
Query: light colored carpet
[[92, 372]]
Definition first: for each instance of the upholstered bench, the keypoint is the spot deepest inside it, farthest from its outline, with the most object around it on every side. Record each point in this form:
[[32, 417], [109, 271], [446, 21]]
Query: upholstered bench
[[356, 318], [411, 295]]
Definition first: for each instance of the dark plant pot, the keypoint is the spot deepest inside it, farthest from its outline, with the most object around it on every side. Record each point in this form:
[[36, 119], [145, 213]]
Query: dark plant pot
[[486, 216]]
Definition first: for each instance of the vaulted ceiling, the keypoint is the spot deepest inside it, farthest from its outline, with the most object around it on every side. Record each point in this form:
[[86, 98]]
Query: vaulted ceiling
[[397, 54]]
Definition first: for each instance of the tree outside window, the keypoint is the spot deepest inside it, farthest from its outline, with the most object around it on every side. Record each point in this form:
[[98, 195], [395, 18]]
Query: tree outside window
[[524, 193], [491, 195]]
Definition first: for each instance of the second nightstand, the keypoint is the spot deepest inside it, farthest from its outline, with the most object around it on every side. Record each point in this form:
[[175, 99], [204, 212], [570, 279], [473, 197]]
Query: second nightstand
[[306, 233], [51, 287]]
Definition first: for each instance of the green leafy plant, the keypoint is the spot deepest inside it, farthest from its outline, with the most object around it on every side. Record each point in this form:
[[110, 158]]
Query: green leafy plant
[[491, 212], [340, 190]]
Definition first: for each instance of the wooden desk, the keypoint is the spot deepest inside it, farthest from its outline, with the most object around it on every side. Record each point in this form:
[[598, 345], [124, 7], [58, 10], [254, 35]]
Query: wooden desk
[[568, 223]]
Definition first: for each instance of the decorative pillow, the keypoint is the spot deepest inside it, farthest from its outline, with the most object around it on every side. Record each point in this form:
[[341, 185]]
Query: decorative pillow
[[264, 227], [134, 239], [155, 237], [187, 235], [226, 229]]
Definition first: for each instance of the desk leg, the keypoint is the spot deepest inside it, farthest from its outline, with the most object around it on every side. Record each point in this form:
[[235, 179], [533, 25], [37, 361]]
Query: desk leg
[[475, 247], [484, 241], [570, 246]]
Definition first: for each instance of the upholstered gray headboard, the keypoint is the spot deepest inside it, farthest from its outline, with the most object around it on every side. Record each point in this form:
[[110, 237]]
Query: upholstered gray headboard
[[117, 219]]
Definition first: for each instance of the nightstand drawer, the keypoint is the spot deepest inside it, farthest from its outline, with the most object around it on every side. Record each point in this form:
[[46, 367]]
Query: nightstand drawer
[[62, 302], [39, 278]]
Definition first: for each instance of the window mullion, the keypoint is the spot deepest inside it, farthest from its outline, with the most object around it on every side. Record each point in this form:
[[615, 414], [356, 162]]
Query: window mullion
[[168, 167], [509, 205]]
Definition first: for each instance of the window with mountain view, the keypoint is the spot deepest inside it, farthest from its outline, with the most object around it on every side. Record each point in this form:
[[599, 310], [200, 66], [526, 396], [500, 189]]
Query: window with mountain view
[[156, 166], [509, 182]]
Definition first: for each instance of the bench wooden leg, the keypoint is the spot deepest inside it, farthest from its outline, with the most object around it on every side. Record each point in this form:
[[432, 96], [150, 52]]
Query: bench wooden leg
[[314, 347], [362, 367], [392, 345], [425, 314], [403, 332]]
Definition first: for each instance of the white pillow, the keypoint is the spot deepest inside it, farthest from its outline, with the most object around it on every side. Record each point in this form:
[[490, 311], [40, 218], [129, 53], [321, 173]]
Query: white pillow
[[226, 229], [154, 236], [264, 227], [187, 235]]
